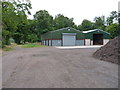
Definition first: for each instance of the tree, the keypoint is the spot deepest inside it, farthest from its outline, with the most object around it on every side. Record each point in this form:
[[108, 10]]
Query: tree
[[32, 26], [44, 22], [32, 31], [20, 36], [9, 25], [21, 32], [32, 38], [99, 22], [113, 24], [61, 21], [13, 13], [112, 18], [86, 25], [112, 29]]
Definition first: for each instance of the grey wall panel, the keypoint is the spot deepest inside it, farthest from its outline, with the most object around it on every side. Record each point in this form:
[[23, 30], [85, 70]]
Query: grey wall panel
[[79, 42], [56, 42]]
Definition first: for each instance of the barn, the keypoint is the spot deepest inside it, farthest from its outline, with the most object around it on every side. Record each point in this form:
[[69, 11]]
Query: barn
[[63, 37], [72, 37], [96, 37]]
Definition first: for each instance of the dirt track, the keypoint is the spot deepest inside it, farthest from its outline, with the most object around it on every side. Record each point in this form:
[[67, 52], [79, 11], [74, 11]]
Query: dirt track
[[57, 68]]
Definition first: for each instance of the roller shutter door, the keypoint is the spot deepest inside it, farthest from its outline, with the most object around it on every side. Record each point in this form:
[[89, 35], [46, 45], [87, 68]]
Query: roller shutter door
[[69, 39]]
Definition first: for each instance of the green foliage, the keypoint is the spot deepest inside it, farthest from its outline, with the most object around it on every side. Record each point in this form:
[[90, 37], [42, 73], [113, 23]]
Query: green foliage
[[112, 18], [32, 45], [7, 20], [86, 25], [6, 37], [14, 21], [43, 21], [61, 21], [112, 29], [99, 22], [32, 38], [21, 33], [12, 40]]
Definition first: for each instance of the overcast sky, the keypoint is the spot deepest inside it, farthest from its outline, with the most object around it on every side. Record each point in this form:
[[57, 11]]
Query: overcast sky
[[77, 9]]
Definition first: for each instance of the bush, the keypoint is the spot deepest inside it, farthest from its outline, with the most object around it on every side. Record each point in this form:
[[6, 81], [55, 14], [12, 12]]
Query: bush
[[32, 38], [12, 40]]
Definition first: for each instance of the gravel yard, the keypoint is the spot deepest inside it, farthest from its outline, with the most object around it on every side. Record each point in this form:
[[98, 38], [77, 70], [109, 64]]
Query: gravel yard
[[50, 67]]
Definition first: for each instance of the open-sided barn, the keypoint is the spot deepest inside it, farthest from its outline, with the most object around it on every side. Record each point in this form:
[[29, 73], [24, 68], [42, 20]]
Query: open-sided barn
[[72, 37], [96, 37]]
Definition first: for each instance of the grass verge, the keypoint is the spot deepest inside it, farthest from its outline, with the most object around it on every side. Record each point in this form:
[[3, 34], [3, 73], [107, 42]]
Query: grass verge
[[32, 45], [8, 48]]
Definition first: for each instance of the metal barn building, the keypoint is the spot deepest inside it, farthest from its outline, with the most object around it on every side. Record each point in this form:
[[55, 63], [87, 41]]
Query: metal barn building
[[72, 37], [96, 37], [63, 37]]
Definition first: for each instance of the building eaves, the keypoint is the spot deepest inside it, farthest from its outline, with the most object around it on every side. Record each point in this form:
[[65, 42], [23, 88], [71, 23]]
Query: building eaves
[[94, 30]]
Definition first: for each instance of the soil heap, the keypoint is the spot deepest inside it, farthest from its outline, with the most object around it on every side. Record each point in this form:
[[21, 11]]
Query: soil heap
[[110, 52]]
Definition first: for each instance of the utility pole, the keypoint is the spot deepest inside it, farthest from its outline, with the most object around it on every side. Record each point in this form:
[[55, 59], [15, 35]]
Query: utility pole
[[119, 12]]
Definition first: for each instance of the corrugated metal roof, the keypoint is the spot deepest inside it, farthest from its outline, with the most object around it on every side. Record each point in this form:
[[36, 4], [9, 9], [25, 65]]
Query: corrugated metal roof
[[66, 28], [89, 31], [94, 30]]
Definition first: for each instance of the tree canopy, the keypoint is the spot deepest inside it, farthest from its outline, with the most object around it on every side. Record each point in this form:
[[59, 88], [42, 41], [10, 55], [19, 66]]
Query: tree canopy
[[61, 21], [14, 20], [86, 25], [44, 21]]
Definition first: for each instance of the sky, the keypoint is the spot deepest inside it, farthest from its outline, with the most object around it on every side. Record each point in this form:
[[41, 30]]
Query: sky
[[77, 9]]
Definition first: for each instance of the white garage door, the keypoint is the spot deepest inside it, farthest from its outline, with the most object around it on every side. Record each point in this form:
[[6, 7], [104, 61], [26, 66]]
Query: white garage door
[[69, 39]]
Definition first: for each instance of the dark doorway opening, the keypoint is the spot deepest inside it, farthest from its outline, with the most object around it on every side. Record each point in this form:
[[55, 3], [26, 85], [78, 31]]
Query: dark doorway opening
[[97, 39]]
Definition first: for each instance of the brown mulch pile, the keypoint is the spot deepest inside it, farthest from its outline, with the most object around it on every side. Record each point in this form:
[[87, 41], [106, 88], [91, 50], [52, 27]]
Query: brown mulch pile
[[110, 52]]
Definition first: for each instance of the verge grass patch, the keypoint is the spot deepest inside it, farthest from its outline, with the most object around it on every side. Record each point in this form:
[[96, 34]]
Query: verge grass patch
[[7, 48], [32, 45]]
